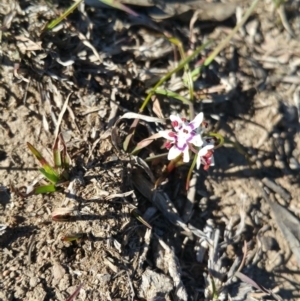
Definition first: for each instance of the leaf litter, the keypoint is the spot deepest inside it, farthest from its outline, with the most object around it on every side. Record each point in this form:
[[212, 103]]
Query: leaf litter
[[108, 60]]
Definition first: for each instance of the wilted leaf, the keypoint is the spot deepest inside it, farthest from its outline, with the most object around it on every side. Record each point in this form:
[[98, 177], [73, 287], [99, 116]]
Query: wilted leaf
[[25, 44], [156, 108], [73, 236]]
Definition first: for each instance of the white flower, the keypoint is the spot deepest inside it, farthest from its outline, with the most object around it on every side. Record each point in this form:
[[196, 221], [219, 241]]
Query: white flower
[[186, 136], [205, 154]]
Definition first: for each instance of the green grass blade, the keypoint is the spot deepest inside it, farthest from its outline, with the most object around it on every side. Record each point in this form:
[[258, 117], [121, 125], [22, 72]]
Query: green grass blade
[[52, 178], [172, 94], [55, 22], [223, 43], [188, 75], [140, 219], [219, 137], [149, 159], [169, 74], [46, 189]]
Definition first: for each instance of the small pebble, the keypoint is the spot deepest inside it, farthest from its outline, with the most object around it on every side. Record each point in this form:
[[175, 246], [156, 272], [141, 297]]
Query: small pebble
[[33, 281], [12, 274], [293, 164]]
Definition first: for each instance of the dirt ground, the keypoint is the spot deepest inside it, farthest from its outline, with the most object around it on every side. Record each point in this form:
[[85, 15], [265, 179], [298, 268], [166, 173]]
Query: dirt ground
[[102, 61]]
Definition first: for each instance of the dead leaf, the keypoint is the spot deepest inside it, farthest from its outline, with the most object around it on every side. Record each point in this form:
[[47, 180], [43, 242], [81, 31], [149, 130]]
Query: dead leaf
[[156, 107], [25, 44]]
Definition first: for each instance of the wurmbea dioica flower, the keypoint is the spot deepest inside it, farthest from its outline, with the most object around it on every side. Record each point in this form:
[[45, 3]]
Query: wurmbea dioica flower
[[186, 137], [205, 154]]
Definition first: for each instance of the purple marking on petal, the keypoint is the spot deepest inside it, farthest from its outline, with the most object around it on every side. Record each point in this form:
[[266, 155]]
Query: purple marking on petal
[[181, 148], [191, 125], [192, 135]]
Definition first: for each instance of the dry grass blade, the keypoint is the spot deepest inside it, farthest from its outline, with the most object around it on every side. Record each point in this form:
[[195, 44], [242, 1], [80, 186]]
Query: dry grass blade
[[174, 271], [75, 294], [62, 214], [276, 188], [288, 224], [160, 200], [119, 5], [131, 115], [61, 114], [259, 287], [136, 118], [156, 107], [145, 142], [284, 20]]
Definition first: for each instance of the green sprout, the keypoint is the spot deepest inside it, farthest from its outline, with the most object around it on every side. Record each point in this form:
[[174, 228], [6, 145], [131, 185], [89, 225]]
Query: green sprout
[[59, 173]]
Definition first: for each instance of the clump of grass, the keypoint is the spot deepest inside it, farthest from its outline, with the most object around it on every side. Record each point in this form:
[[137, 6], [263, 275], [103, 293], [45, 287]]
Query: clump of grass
[[56, 175]]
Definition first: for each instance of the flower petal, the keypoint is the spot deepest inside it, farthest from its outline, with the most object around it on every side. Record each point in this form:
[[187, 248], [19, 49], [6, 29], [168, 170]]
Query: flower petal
[[166, 134], [196, 122], [203, 151], [176, 122], [197, 140], [181, 143], [186, 155], [174, 152]]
